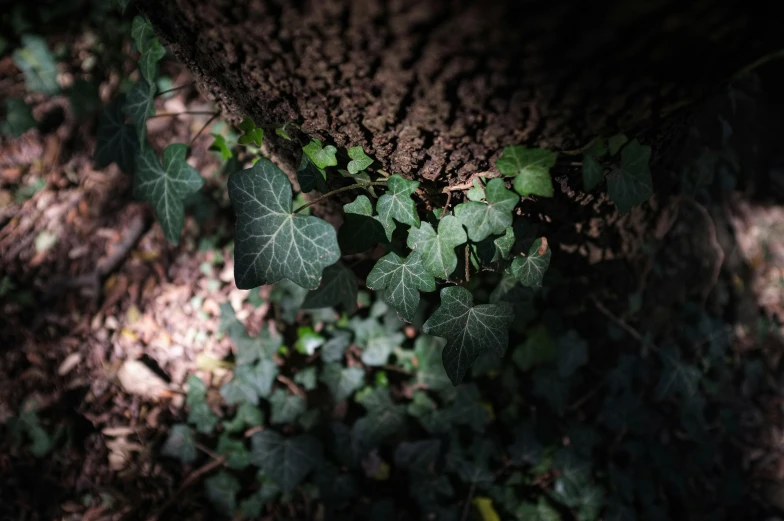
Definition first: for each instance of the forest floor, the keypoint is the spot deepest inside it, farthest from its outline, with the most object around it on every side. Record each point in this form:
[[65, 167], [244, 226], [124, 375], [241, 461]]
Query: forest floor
[[102, 321]]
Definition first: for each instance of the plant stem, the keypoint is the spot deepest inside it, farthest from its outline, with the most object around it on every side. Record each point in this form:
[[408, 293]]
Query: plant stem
[[174, 89], [203, 127], [467, 507], [187, 112], [339, 190]]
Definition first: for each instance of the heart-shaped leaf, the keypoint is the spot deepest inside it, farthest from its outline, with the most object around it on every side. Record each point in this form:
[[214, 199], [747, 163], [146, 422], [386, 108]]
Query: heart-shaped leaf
[[531, 168], [272, 243], [311, 177], [140, 106], [401, 279], [116, 142], [438, 249], [36, 62], [359, 231], [491, 218], [285, 461], [286, 407], [165, 187], [397, 204], [251, 134], [529, 269], [469, 330], [342, 381], [322, 156], [359, 160], [631, 184], [339, 286], [148, 62]]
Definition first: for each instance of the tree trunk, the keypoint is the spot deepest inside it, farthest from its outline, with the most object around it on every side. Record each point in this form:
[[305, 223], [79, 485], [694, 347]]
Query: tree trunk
[[435, 88]]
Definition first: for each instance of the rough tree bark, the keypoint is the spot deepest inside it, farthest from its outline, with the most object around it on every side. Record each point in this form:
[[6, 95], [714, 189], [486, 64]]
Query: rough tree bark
[[435, 88]]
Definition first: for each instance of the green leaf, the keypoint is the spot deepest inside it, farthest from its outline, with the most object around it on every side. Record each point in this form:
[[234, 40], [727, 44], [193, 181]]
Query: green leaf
[[333, 350], [616, 142], [250, 382], [282, 133], [529, 269], [572, 353], [477, 192], [222, 490], [542, 511], [503, 245], [122, 4], [165, 187], [397, 204], [359, 231], [384, 418], [308, 341], [530, 167], [339, 286], [678, 379], [286, 407], [247, 416], [538, 349], [430, 369], [237, 455], [199, 414], [116, 142], [248, 349], [142, 33], [140, 106], [438, 249], [285, 461], [342, 382], [306, 377], [491, 218], [219, 145], [148, 62], [631, 184], [468, 329], [18, 118], [593, 173], [271, 243], [401, 280], [180, 444], [359, 160], [37, 64], [311, 177], [251, 134], [377, 350], [322, 157]]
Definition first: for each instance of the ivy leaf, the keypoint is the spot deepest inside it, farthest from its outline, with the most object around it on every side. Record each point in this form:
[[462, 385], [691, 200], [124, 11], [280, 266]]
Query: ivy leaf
[[477, 192], [401, 279], [430, 369], [322, 157], [116, 142], [572, 353], [199, 414], [140, 106], [616, 142], [359, 231], [631, 184], [359, 160], [503, 245], [333, 350], [285, 461], [166, 187], [148, 62], [251, 134], [529, 269], [286, 407], [282, 133], [339, 286], [122, 4], [384, 418], [492, 218], [306, 377], [342, 382], [219, 145], [530, 167], [237, 456], [468, 329], [18, 118], [438, 249], [592, 173], [378, 348], [397, 204], [222, 490], [678, 379], [247, 415], [249, 382], [311, 177], [36, 62], [142, 33], [271, 242], [180, 444]]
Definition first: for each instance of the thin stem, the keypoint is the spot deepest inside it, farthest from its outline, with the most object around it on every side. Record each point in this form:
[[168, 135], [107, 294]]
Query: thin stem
[[185, 113], [203, 128], [446, 206], [467, 507], [174, 89], [339, 190]]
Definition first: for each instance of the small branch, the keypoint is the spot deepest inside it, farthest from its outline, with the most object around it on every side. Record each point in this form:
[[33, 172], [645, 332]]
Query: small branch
[[623, 325], [470, 183], [294, 388], [446, 206], [174, 89], [467, 264], [184, 113], [339, 190], [203, 128], [467, 506]]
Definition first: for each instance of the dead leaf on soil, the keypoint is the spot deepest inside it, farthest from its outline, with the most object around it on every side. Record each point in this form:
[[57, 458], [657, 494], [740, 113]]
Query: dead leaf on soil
[[136, 378]]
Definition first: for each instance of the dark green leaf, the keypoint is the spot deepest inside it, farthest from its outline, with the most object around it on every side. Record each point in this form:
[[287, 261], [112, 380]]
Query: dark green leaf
[[306, 377], [37, 64], [572, 353], [285, 461], [122, 4], [165, 187], [417, 457], [250, 382], [631, 184], [140, 106], [338, 286], [247, 416], [678, 379], [529, 269], [503, 245], [286, 407], [143, 33], [222, 490], [377, 350], [180, 444], [538, 348], [148, 62], [236, 454], [248, 349], [322, 157], [311, 177], [397, 205], [199, 414], [271, 242], [542, 511], [552, 389], [469, 329], [359, 160], [430, 369], [360, 231], [342, 382], [593, 173], [116, 142], [18, 118], [615, 143], [401, 280], [492, 217], [438, 249], [383, 419], [83, 97]]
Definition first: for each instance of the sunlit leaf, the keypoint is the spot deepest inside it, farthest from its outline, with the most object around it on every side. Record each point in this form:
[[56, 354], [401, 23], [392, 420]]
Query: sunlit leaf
[[397, 205], [401, 280], [489, 218], [529, 269], [359, 160], [219, 145], [36, 62], [438, 249], [322, 156], [530, 167]]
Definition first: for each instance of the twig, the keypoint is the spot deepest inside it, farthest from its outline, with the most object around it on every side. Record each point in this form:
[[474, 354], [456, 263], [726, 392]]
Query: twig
[[467, 264], [470, 183], [203, 128], [623, 325], [467, 506], [339, 190], [446, 206], [294, 388], [184, 113], [174, 89]]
